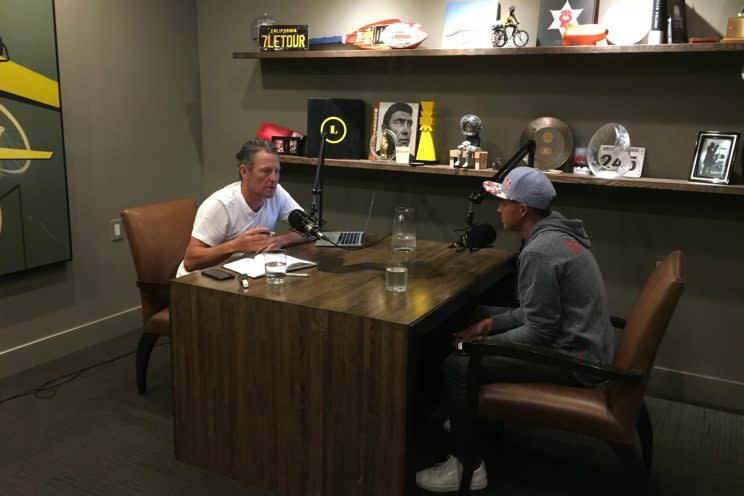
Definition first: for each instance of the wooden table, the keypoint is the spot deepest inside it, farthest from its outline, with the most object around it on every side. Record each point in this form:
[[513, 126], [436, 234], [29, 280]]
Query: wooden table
[[304, 389]]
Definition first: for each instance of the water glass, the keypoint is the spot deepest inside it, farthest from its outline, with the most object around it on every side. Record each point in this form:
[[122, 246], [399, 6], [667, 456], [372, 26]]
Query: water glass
[[404, 229], [396, 276], [275, 266]]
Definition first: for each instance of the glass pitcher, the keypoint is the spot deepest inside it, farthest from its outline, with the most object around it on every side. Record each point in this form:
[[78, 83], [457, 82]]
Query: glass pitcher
[[404, 229]]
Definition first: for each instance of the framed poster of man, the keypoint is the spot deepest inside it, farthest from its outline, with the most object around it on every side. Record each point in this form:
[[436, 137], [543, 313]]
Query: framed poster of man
[[714, 156], [394, 124]]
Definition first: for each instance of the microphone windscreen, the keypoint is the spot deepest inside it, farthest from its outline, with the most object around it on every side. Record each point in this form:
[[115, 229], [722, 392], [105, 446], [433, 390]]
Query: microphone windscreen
[[480, 236], [297, 219]]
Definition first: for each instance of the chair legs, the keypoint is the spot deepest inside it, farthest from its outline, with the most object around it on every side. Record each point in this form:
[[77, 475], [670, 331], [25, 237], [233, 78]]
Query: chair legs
[[646, 436], [639, 478], [144, 350], [640, 469]]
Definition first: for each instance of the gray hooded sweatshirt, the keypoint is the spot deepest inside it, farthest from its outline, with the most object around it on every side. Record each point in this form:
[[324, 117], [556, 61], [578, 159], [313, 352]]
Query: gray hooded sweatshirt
[[563, 302]]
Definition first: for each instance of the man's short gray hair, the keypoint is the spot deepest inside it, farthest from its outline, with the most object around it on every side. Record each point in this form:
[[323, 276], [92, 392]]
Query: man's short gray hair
[[249, 150]]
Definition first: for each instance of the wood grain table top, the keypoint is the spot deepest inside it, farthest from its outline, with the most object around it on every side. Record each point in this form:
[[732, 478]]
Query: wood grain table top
[[353, 281]]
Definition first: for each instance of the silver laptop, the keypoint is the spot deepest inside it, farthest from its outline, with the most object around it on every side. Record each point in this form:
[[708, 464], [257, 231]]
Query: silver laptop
[[347, 238]]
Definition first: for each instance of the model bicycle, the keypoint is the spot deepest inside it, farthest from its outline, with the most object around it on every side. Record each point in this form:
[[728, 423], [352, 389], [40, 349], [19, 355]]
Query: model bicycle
[[507, 28]]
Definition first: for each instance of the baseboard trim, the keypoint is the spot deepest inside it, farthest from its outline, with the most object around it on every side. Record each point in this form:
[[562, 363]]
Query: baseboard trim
[[698, 389], [677, 385], [59, 344]]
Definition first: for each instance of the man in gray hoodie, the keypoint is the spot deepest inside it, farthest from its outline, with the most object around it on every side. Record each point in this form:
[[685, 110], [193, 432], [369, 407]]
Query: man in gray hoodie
[[563, 306]]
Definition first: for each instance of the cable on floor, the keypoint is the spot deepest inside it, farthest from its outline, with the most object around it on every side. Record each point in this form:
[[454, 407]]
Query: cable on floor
[[49, 389]]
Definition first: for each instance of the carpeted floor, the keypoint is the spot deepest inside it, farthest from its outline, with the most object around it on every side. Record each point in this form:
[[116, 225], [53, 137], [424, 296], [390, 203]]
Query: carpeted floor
[[96, 436]]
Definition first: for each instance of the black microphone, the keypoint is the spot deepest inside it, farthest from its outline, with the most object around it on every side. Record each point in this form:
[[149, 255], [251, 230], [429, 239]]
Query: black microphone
[[476, 237], [305, 224]]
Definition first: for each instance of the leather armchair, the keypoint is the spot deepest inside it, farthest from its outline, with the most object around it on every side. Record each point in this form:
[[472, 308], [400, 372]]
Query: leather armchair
[[613, 411], [158, 235]]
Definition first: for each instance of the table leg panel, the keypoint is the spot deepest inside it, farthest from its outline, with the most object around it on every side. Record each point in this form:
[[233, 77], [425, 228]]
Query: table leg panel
[[366, 406]]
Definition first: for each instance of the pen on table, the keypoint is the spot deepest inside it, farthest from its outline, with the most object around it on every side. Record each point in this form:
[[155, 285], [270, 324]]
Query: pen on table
[[295, 274]]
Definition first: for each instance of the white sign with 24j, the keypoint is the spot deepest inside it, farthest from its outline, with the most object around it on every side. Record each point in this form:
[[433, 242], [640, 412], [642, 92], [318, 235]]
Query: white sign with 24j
[[608, 158]]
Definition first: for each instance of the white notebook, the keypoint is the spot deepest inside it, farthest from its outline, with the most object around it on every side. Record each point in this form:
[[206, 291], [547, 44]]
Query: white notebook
[[254, 267]]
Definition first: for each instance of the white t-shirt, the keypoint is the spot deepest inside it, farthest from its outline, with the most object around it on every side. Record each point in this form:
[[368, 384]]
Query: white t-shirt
[[225, 215]]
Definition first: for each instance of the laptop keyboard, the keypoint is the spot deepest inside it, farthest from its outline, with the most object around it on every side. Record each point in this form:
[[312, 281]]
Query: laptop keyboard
[[349, 238]]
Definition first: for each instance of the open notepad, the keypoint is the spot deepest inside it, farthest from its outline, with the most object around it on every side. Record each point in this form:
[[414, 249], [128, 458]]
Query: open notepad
[[254, 267]]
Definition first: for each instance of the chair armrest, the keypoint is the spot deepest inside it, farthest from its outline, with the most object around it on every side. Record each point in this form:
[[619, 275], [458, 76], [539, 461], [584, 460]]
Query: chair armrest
[[152, 285], [552, 357]]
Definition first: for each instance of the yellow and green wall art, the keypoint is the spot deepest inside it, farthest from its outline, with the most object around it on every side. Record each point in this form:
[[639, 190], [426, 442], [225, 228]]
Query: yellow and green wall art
[[34, 213]]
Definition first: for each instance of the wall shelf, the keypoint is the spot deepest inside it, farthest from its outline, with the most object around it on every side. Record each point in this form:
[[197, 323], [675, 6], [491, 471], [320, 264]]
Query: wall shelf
[[352, 53], [563, 178], [355, 53]]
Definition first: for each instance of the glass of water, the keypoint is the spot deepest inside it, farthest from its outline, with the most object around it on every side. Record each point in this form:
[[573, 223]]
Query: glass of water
[[404, 229], [275, 266], [396, 275]]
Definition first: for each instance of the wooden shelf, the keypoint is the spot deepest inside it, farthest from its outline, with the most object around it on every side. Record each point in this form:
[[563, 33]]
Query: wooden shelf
[[348, 52], [563, 178], [355, 53]]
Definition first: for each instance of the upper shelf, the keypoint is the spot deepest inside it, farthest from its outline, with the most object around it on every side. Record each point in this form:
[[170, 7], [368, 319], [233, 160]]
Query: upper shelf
[[565, 178], [351, 52]]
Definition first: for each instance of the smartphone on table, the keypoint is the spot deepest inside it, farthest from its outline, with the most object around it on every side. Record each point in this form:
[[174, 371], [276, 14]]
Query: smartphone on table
[[218, 274]]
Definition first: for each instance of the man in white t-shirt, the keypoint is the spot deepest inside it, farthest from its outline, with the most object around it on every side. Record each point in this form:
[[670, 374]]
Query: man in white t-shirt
[[241, 216]]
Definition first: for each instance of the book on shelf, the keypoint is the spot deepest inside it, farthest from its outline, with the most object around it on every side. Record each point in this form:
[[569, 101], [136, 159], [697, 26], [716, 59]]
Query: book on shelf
[[254, 267], [677, 22]]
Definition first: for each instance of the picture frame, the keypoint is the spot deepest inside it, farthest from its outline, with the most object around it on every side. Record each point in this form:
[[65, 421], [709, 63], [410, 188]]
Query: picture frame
[[393, 124], [714, 156], [556, 14], [280, 144], [34, 200], [467, 24], [294, 145]]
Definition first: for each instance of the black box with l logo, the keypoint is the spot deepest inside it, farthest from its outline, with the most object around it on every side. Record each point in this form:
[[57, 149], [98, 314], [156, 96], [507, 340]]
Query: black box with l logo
[[343, 121]]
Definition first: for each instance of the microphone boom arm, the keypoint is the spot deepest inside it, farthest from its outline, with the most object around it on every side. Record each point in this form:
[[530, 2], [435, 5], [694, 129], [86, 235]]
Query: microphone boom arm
[[317, 203], [527, 150], [477, 198]]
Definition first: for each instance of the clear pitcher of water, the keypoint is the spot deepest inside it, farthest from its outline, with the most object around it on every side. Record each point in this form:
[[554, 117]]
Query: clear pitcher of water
[[404, 229]]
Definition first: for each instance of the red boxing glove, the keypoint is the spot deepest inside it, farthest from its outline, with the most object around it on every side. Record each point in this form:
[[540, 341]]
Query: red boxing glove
[[268, 130]]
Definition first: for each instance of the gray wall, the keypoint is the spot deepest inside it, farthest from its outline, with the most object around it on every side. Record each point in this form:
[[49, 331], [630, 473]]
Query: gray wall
[[663, 100], [130, 74], [130, 96]]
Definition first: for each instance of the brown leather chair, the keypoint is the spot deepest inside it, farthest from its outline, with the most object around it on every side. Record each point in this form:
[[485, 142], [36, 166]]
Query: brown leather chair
[[158, 235], [612, 411]]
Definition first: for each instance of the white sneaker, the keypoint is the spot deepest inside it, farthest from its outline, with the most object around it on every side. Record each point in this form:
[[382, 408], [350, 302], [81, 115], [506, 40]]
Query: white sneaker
[[446, 476]]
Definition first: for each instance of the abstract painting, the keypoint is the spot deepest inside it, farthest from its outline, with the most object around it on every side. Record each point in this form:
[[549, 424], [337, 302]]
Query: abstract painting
[[34, 213]]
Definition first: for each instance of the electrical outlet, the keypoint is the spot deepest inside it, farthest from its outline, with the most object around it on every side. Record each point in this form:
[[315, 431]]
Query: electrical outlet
[[116, 234]]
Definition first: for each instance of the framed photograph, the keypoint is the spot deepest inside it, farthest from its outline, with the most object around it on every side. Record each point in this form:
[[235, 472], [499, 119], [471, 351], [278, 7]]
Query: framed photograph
[[555, 15], [280, 143], [714, 155], [467, 24], [294, 146], [394, 124]]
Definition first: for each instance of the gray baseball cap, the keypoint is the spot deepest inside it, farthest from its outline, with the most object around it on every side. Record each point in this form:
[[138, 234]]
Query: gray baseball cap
[[524, 185]]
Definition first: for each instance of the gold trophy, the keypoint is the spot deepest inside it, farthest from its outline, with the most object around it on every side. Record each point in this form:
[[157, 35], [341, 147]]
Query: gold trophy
[[735, 29], [425, 152]]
